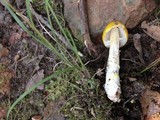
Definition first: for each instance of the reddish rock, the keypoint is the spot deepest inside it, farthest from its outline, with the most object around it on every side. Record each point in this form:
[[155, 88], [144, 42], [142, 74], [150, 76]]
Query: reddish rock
[[150, 103], [100, 12]]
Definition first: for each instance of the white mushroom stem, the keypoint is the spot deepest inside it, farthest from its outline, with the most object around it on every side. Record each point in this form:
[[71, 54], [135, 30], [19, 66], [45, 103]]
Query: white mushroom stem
[[112, 84]]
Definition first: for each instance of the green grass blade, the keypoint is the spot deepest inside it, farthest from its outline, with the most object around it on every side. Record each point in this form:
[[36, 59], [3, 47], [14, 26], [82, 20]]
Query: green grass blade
[[56, 19], [49, 19], [28, 8], [57, 73], [73, 47], [40, 38]]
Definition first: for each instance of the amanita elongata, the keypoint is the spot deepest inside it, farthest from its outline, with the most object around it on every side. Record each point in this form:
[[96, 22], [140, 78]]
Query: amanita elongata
[[114, 36]]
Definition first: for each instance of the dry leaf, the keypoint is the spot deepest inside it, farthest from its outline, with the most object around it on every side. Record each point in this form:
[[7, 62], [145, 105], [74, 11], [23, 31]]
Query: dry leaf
[[35, 79], [3, 51], [150, 103], [138, 46], [5, 76], [152, 29]]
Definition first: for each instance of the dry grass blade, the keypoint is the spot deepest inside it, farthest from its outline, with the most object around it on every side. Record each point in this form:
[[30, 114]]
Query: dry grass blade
[[43, 21], [154, 63]]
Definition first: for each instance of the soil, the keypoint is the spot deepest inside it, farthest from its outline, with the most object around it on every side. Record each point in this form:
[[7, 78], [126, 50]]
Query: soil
[[133, 84], [25, 57]]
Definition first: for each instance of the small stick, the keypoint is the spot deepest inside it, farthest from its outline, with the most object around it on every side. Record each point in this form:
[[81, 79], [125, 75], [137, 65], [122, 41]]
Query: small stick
[[85, 29]]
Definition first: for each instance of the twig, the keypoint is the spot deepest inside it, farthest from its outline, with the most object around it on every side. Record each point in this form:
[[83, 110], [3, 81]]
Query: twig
[[92, 60], [85, 29]]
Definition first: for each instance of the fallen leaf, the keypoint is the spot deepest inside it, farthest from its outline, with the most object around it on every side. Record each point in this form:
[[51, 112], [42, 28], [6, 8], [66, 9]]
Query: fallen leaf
[[5, 76], [3, 51], [150, 103], [138, 46], [35, 79], [152, 29]]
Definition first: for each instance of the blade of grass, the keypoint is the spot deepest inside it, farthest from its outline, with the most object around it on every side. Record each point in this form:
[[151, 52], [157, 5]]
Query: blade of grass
[[51, 25], [76, 51], [56, 19], [28, 8], [154, 63], [49, 19], [57, 73], [46, 43], [61, 47], [74, 48], [40, 37]]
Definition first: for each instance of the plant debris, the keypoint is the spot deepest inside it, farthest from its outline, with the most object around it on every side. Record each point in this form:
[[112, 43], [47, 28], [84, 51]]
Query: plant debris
[[35, 79], [152, 29], [138, 46], [24, 62], [5, 76]]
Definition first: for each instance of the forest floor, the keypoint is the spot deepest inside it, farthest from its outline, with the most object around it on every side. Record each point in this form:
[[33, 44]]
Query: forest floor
[[23, 60]]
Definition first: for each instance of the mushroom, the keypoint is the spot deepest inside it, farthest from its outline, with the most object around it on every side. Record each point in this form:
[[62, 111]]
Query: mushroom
[[114, 36]]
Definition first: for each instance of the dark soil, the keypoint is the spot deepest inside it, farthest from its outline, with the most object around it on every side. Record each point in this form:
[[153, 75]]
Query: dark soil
[[130, 108]]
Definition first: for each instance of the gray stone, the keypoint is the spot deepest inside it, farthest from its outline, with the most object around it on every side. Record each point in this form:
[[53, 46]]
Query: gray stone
[[100, 12]]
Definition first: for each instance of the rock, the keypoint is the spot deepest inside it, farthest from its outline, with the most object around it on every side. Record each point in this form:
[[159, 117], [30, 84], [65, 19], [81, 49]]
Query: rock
[[150, 103], [100, 12]]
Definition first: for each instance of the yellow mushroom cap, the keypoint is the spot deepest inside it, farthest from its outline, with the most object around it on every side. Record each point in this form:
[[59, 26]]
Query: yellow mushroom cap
[[123, 33]]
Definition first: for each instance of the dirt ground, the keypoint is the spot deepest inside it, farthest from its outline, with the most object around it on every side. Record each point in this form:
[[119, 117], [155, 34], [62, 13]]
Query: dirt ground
[[21, 58], [133, 84]]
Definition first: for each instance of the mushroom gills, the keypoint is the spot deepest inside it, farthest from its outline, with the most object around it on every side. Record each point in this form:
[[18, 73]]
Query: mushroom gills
[[122, 38]]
